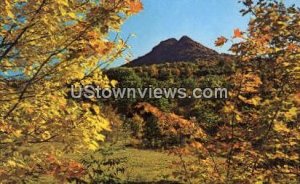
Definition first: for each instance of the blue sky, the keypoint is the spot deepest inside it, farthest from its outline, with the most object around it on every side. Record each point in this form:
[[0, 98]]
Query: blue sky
[[202, 20]]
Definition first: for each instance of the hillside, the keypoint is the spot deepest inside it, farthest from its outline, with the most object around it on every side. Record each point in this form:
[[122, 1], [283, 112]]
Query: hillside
[[174, 63]]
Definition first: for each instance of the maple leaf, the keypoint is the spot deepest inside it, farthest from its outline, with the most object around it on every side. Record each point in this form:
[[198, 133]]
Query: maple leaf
[[221, 41], [237, 33], [135, 6]]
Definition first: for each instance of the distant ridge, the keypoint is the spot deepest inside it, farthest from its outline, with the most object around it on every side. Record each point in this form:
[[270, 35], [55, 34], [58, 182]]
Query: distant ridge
[[173, 50]]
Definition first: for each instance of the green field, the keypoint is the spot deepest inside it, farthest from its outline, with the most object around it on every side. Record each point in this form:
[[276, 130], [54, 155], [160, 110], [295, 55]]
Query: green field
[[147, 165]]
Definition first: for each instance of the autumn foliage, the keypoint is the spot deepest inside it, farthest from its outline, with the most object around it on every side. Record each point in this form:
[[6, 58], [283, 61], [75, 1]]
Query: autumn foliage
[[48, 45], [259, 140], [170, 129], [45, 46]]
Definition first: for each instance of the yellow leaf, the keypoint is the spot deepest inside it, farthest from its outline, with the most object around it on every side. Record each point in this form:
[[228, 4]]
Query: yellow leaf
[[62, 11], [96, 109], [281, 127], [64, 2], [73, 15], [228, 108], [238, 118], [17, 133], [8, 9], [10, 14], [11, 163], [46, 135], [252, 101], [113, 83], [291, 114], [93, 145]]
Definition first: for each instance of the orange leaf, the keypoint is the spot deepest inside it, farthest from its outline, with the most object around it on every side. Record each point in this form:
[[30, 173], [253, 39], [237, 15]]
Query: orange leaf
[[237, 33], [220, 41], [292, 47], [135, 6]]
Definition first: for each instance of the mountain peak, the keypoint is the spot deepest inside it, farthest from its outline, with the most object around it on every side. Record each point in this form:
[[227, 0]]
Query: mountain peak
[[170, 40], [173, 50], [185, 39]]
